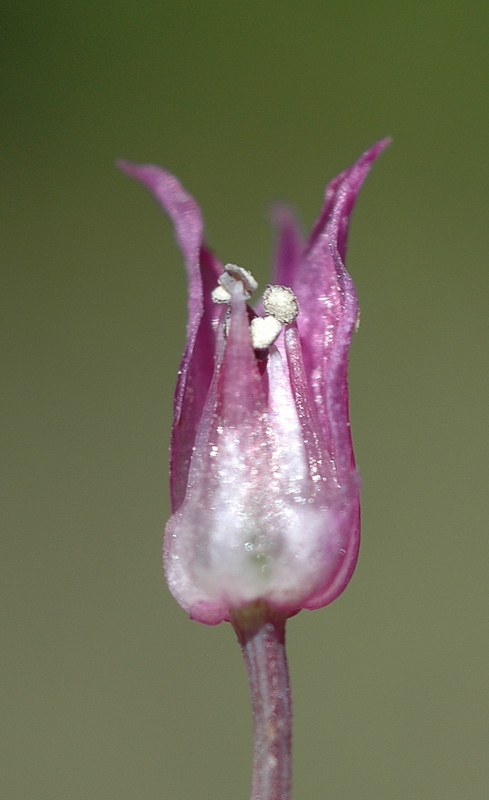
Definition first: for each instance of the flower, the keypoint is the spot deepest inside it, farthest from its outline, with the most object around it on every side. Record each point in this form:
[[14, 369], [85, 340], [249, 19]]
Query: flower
[[264, 488]]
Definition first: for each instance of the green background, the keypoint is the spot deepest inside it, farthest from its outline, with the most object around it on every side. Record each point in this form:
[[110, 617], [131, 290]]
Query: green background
[[109, 690]]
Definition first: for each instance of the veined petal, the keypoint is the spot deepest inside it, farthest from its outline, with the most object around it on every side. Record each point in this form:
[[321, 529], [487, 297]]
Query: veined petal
[[203, 269], [340, 492], [320, 465], [329, 309]]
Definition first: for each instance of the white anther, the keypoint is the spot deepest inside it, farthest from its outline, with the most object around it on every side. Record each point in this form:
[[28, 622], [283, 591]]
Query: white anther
[[220, 295], [227, 281], [264, 331], [240, 274], [280, 302]]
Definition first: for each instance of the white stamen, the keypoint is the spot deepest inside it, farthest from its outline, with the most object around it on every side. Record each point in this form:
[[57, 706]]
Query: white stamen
[[220, 295], [264, 331], [280, 302], [243, 275], [227, 281]]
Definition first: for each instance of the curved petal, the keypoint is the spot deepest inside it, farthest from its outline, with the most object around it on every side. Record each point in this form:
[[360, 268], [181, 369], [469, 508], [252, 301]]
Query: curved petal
[[346, 551], [356, 173], [187, 221], [203, 269], [328, 308]]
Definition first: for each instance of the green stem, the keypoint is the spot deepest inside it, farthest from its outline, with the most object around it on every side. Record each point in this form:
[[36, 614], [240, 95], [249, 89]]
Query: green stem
[[261, 634]]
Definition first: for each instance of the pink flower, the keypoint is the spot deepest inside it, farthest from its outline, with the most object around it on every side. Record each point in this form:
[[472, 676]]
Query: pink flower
[[264, 489]]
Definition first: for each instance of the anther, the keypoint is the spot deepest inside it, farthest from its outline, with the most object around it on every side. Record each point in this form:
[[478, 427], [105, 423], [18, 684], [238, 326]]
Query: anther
[[264, 331], [280, 302], [220, 295], [227, 281]]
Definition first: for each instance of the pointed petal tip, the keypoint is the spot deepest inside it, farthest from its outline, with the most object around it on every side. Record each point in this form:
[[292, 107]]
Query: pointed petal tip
[[376, 149], [281, 214], [156, 179], [382, 144], [128, 167], [177, 203], [357, 173]]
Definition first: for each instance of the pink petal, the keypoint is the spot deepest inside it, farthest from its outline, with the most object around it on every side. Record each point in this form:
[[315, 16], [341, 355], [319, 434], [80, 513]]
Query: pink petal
[[203, 269], [328, 309], [229, 449], [347, 555], [341, 492]]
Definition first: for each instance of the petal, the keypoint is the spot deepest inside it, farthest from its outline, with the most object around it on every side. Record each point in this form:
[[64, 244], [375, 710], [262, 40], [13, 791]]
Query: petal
[[328, 310], [194, 378], [356, 174], [344, 549], [289, 245], [340, 540], [203, 269], [205, 538], [320, 467], [187, 221]]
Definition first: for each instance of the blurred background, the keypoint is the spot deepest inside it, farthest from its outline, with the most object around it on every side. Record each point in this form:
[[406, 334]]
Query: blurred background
[[109, 690]]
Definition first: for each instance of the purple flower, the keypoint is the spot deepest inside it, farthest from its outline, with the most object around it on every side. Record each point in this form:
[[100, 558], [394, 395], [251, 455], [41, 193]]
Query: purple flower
[[264, 489]]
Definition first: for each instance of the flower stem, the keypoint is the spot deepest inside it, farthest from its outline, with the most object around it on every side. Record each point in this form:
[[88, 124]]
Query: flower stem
[[261, 634]]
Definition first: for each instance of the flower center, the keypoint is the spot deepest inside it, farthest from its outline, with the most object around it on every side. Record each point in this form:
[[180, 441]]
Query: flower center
[[279, 302]]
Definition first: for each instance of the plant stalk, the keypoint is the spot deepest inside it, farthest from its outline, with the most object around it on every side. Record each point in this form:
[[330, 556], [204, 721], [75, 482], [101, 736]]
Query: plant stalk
[[261, 634]]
